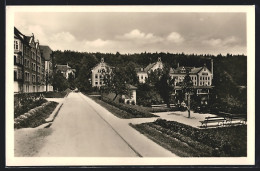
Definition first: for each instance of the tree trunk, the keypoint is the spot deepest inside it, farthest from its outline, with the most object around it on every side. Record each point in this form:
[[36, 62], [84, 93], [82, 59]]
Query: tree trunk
[[115, 97], [188, 105]]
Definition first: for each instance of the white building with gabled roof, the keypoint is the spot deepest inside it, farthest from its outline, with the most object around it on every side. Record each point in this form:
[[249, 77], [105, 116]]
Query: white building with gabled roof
[[98, 72], [142, 73]]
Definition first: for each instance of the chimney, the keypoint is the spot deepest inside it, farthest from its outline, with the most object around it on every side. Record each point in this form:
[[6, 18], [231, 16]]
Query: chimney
[[212, 67]]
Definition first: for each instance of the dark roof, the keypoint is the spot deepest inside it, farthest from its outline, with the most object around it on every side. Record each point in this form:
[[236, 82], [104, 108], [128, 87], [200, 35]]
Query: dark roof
[[62, 68], [131, 87], [146, 69], [192, 70], [20, 36], [46, 52]]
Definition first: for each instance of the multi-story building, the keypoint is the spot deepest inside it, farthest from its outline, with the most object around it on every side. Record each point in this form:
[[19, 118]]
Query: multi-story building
[[142, 73], [98, 73], [47, 53], [200, 76], [29, 64], [18, 61], [66, 70]]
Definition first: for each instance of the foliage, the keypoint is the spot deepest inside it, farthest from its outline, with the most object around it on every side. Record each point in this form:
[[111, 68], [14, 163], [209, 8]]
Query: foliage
[[135, 111], [24, 102], [217, 142], [82, 82], [37, 117], [116, 81], [59, 82]]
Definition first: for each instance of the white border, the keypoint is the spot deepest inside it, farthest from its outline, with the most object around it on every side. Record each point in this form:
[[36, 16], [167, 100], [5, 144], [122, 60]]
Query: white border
[[86, 161]]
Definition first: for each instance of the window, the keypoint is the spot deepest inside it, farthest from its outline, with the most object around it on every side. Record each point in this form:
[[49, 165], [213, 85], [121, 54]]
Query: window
[[96, 76], [142, 77], [16, 45], [15, 75], [96, 83]]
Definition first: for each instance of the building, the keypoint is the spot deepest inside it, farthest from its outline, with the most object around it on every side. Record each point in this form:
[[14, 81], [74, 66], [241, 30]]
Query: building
[[200, 76], [132, 96], [19, 41], [98, 73], [47, 53], [66, 70], [29, 64], [142, 73]]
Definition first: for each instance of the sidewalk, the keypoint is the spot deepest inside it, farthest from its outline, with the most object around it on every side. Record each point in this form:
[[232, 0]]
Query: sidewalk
[[140, 143]]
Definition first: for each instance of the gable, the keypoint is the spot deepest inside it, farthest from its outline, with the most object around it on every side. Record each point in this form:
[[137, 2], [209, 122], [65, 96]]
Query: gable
[[204, 71]]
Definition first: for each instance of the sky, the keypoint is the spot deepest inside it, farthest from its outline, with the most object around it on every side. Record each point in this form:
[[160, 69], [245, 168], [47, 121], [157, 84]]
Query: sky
[[136, 32]]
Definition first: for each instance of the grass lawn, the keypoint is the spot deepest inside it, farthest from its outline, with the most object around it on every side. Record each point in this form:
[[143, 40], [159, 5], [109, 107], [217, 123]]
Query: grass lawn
[[186, 141], [122, 113], [55, 94], [39, 117]]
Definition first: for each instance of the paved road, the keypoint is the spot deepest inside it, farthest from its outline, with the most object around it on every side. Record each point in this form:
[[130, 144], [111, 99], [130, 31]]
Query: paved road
[[80, 131]]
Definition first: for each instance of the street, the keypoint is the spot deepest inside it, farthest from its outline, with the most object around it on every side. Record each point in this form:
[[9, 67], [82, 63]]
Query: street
[[80, 131]]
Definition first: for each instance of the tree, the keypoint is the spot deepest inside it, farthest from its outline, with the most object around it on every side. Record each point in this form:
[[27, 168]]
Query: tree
[[115, 82], [71, 80], [165, 86], [59, 82], [82, 81], [187, 88]]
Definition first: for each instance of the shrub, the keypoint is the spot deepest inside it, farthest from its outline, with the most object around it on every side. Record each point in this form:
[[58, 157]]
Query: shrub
[[134, 110], [227, 141]]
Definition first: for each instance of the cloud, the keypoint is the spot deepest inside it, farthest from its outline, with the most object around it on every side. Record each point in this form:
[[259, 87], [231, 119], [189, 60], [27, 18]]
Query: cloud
[[138, 36], [229, 41], [175, 37]]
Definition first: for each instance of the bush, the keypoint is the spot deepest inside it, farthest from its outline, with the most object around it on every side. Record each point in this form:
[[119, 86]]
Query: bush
[[136, 111], [227, 141], [25, 102]]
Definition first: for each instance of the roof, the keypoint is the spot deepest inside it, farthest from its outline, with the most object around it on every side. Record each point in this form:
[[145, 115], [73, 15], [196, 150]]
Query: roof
[[131, 87], [192, 70], [20, 36], [146, 69], [46, 52], [64, 68]]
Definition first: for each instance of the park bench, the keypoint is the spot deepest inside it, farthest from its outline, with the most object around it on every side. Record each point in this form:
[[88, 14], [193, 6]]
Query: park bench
[[242, 118], [214, 119], [160, 106]]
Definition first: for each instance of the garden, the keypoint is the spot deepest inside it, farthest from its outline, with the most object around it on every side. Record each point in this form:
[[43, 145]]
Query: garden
[[31, 109], [187, 141]]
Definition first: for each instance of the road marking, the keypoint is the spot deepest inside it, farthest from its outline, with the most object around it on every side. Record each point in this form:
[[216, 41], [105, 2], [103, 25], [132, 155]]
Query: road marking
[[138, 154]]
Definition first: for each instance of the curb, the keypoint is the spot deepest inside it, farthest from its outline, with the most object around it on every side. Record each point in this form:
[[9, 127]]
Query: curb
[[54, 113], [56, 110]]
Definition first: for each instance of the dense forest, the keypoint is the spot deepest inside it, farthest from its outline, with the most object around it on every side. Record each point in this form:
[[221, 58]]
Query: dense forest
[[230, 71]]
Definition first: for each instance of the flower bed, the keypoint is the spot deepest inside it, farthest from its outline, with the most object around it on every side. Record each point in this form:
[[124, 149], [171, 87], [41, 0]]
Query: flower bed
[[224, 142], [136, 111], [35, 116]]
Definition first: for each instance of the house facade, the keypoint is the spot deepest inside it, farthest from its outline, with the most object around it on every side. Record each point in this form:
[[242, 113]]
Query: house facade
[[98, 72], [142, 73], [29, 64], [66, 70], [200, 76], [47, 53]]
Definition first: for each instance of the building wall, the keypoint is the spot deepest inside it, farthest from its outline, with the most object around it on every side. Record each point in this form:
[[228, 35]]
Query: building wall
[[142, 76], [98, 74]]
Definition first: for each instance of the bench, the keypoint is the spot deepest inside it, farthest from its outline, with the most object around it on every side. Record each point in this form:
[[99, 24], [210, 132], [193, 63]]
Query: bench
[[214, 119], [236, 117], [161, 106]]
